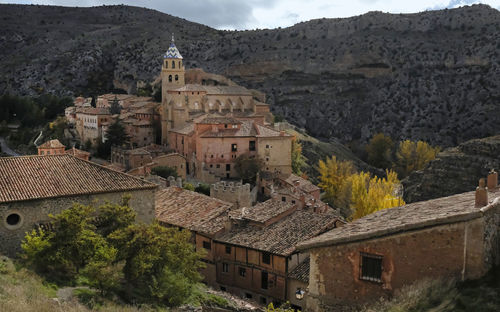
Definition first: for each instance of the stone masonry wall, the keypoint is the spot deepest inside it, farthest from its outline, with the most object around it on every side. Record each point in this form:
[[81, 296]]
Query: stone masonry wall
[[36, 211], [407, 257], [232, 192]]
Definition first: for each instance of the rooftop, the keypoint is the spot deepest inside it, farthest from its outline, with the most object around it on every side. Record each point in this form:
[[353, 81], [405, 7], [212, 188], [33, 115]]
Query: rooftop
[[264, 131], [93, 110], [281, 237], [172, 52], [413, 216], [262, 212], [303, 184], [246, 129], [52, 144], [301, 271], [191, 210], [186, 129], [214, 90], [37, 177]]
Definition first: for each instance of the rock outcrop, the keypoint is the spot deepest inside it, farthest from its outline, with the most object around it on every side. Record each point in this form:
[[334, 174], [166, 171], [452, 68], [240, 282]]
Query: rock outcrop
[[455, 170], [430, 76]]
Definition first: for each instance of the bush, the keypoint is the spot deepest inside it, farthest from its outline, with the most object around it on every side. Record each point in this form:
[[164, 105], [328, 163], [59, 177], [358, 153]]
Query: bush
[[164, 171], [203, 189]]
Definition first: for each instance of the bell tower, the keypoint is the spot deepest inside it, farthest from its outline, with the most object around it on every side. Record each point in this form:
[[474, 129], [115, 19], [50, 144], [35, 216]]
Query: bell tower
[[172, 77]]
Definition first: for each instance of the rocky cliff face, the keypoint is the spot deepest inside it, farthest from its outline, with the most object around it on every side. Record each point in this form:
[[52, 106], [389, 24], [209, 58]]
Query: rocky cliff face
[[455, 170], [430, 76]]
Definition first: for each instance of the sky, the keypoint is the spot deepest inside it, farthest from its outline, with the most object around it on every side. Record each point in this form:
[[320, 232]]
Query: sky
[[252, 14]]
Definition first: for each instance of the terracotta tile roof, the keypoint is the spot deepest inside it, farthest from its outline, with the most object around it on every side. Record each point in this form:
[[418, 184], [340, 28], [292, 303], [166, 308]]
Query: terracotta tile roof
[[93, 110], [246, 129], [262, 212], [52, 144], [75, 152], [186, 129], [303, 184], [280, 237], [191, 210], [413, 216], [301, 271], [264, 131], [35, 177], [214, 90]]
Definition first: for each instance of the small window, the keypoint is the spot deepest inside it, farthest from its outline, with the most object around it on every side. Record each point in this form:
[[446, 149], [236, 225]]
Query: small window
[[173, 64], [234, 147], [228, 250], [207, 245], [283, 198], [169, 78], [243, 272], [266, 258], [251, 145], [267, 145], [228, 167], [211, 165], [13, 219], [225, 126], [176, 77], [371, 267], [293, 201], [225, 268], [211, 156], [218, 166]]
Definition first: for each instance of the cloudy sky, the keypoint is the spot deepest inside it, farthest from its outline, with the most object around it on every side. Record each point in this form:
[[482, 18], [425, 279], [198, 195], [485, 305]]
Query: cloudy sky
[[250, 14]]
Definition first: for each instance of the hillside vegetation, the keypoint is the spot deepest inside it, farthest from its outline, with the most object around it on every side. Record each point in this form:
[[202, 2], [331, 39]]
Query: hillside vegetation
[[429, 76]]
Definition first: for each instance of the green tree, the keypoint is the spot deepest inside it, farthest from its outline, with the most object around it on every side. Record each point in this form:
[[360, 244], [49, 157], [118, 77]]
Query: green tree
[[203, 189], [116, 134], [164, 171], [160, 263], [102, 272], [379, 151], [188, 186], [115, 107], [298, 160], [248, 166]]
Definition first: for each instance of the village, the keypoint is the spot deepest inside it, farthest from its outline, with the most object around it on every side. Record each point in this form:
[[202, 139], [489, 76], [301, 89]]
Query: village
[[267, 236]]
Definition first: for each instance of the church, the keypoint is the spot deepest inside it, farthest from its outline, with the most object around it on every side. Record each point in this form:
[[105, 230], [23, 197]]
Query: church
[[212, 125]]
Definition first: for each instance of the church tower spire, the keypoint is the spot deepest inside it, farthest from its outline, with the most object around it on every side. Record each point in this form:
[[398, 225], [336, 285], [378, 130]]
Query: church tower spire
[[172, 69]]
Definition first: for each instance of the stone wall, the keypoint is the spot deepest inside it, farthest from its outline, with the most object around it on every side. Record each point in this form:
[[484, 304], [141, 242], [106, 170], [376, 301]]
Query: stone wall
[[448, 251], [35, 212], [237, 193]]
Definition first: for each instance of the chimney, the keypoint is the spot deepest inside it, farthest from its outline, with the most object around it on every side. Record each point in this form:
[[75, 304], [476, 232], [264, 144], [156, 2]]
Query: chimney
[[481, 194], [492, 180]]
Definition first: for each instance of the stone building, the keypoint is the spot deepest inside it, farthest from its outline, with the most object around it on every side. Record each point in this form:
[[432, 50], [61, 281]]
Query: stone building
[[212, 144], [372, 257], [34, 186], [237, 193], [204, 216], [90, 121], [52, 147], [55, 147]]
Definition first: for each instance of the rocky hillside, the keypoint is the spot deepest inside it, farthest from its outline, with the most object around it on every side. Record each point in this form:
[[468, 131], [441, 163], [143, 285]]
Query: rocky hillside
[[455, 170], [430, 76]]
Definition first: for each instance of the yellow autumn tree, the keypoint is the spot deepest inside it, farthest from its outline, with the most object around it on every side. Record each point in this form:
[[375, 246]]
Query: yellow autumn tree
[[413, 156], [369, 195], [334, 180]]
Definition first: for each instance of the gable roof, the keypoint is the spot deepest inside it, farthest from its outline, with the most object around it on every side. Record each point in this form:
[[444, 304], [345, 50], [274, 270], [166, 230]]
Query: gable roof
[[191, 210], [301, 271], [52, 144], [282, 236], [37, 177], [444, 210]]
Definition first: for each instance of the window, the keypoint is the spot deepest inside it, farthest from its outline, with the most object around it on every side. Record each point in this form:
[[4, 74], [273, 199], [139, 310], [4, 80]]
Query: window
[[251, 145], [283, 199], [264, 280], [228, 167], [266, 258], [211, 165], [228, 250], [218, 166], [243, 272], [225, 268], [225, 126], [211, 156], [371, 267], [176, 77], [166, 64], [173, 64], [207, 245], [169, 78], [293, 201], [267, 145], [179, 64], [13, 219], [234, 147]]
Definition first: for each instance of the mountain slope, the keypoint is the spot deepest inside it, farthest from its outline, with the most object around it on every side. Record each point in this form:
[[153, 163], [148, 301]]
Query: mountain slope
[[430, 76]]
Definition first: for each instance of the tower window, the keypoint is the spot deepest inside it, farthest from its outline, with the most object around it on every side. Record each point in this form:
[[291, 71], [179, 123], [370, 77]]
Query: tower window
[[173, 64], [176, 77], [166, 64], [169, 78], [179, 64]]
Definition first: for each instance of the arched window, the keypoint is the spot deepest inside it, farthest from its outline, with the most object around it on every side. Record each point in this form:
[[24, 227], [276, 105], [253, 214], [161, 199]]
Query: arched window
[[179, 64], [176, 77], [173, 64], [169, 78], [166, 64]]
